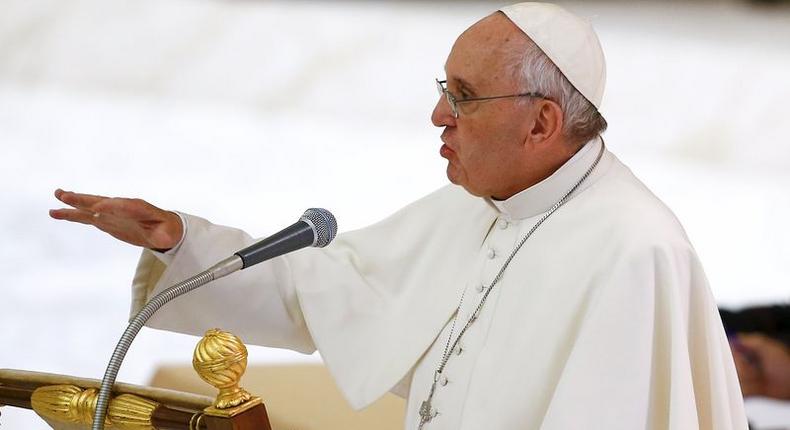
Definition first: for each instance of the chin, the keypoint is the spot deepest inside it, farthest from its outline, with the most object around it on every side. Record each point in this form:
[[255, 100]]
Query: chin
[[458, 178], [465, 186], [452, 175]]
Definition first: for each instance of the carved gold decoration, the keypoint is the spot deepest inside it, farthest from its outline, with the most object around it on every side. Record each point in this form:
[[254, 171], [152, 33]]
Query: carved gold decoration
[[65, 403], [220, 359], [130, 412], [72, 404]]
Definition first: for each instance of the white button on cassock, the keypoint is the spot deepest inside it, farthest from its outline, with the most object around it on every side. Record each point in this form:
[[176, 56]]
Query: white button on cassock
[[502, 224], [491, 253], [480, 288], [443, 380]]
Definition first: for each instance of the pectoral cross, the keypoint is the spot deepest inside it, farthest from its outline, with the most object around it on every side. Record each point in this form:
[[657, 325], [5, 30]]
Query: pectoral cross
[[425, 412], [426, 408]]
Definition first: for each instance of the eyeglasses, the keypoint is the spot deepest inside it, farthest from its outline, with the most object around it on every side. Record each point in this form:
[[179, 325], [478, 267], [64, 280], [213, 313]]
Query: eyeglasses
[[441, 86]]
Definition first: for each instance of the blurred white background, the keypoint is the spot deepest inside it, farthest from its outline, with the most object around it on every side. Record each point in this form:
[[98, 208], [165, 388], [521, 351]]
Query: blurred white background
[[248, 112]]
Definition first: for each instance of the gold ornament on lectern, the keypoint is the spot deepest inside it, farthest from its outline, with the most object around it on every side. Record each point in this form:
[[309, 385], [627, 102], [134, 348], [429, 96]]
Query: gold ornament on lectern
[[75, 405], [65, 403], [220, 359], [130, 412]]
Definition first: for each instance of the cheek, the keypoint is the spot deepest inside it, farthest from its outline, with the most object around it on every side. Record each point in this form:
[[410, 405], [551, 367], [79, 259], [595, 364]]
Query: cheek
[[486, 147], [492, 141], [472, 151], [478, 166]]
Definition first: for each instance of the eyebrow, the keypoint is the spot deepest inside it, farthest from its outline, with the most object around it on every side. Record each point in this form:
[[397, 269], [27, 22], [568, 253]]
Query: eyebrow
[[465, 85]]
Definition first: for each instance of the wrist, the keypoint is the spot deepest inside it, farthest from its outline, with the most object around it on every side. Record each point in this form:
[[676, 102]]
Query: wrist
[[179, 230]]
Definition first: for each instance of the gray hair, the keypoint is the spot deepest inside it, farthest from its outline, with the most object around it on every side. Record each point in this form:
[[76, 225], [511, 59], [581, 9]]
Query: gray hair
[[537, 73]]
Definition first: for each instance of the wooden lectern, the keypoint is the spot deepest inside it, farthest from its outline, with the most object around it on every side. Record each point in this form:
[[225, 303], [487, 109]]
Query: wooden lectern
[[69, 403]]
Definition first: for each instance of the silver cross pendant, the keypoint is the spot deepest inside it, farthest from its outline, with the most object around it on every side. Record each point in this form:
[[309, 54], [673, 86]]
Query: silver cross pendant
[[425, 412]]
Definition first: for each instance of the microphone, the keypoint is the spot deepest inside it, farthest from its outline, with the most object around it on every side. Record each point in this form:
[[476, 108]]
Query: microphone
[[317, 227]]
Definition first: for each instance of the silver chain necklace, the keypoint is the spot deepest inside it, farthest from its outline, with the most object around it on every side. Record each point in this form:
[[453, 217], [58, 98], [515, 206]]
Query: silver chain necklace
[[426, 410]]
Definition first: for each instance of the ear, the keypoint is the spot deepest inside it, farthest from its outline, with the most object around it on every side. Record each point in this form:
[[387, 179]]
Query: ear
[[547, 123]]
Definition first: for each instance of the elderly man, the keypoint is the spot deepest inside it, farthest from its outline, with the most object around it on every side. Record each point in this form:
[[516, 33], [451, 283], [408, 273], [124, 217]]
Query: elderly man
[[551, 290]]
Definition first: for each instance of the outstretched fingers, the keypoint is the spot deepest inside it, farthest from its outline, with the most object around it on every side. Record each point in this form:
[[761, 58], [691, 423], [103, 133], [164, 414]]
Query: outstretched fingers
[[86, 205], [131, 209], [78, 200], [74, 215], [133, 221]]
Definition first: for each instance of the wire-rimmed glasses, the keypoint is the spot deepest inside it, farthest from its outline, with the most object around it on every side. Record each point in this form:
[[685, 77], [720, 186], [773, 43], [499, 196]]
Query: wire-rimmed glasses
[[453, 101]]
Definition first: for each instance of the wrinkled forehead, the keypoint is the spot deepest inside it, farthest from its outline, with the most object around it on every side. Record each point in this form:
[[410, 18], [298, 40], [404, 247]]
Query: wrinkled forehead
[[484, 54]]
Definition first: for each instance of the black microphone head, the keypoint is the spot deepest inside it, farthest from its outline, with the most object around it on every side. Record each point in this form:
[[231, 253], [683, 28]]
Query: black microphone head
[[323, 224]]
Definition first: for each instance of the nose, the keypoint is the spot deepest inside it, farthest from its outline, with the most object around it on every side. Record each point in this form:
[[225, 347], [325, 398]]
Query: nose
[[442, 115]]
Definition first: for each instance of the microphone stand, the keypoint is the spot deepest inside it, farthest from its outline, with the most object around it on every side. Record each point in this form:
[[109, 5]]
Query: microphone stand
[[223, 268]]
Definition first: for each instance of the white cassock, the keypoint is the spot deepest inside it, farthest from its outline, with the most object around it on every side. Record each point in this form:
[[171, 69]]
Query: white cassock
[[604, 319]]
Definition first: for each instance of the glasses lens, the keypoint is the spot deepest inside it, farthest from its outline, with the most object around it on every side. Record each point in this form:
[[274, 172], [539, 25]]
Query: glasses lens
[[450, 98], [451, 102]]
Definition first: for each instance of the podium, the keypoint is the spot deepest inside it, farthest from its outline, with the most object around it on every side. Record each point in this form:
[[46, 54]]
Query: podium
[[68, 403]]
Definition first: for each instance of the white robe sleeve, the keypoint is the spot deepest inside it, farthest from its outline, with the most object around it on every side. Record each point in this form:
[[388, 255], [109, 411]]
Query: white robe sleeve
[[259, 306], [372, 301], [669, 367]]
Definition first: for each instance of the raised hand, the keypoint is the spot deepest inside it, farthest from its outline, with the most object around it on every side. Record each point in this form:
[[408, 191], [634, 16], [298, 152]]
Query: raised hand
[[133, 221]]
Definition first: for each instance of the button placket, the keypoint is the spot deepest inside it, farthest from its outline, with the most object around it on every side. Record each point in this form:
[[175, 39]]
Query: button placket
[[461, 364], [499, 242]]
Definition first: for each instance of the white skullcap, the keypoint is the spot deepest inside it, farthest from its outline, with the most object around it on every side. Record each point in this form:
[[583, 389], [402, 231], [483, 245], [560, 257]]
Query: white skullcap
[[569, 41]]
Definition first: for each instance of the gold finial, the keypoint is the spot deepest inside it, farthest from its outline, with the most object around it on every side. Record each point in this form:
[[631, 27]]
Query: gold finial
[[220, 359]]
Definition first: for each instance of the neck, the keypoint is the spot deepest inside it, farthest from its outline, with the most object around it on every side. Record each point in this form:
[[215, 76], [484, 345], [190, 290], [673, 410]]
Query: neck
[[536, 170], [539, 197]]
